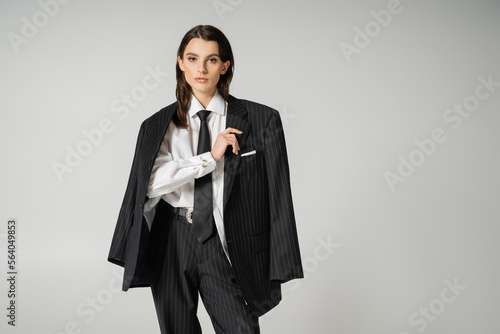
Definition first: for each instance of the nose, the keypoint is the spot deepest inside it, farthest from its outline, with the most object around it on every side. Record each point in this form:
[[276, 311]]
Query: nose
[[202, 68]]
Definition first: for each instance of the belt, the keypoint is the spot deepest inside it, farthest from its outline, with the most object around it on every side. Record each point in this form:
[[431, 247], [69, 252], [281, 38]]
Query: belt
[[186, 213]]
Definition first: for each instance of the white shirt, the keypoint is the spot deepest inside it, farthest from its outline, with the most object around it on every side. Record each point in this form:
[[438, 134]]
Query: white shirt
[[177, 165]]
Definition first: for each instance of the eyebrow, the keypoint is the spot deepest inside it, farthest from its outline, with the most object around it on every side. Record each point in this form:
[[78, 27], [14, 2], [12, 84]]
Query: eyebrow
[[194, 54]]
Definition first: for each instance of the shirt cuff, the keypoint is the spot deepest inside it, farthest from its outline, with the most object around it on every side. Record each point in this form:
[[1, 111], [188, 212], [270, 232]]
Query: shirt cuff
[[208, 165]]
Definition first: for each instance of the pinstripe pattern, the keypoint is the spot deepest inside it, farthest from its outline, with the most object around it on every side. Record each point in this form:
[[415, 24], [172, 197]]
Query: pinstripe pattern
[[180, 266], [258, 212]]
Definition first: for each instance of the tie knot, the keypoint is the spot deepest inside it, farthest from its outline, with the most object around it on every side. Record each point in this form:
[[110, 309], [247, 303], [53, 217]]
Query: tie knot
[[203, 115]]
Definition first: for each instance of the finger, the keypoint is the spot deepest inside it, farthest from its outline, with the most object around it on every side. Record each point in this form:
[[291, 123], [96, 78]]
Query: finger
[[230, 139], [236, 147], [233, 142], [232, 130]]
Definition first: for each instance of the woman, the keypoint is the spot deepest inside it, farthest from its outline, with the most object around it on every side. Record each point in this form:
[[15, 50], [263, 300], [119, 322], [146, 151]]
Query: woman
[[208, 205]]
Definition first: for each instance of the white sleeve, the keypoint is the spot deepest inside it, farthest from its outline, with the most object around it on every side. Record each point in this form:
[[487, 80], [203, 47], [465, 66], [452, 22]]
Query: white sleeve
[[168, 173]]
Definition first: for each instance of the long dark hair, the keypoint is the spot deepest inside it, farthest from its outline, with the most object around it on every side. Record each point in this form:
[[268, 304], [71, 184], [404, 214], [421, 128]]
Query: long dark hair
[[183, 90]]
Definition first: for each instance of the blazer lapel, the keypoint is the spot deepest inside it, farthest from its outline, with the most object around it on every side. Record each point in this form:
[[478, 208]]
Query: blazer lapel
[[236, 118]]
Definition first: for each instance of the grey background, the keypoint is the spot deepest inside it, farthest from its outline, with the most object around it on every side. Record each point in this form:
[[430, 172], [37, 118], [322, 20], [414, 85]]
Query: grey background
[[390, 253]]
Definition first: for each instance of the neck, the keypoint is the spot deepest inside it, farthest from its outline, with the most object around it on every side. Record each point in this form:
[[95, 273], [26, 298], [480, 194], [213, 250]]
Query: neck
[[204, 98]]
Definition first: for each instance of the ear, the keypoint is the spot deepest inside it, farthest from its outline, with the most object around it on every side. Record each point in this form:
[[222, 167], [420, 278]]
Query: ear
[[181, 63], [225, 67]]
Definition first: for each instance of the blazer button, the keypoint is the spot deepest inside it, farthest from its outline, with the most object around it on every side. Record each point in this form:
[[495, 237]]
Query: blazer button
[[140, 205]]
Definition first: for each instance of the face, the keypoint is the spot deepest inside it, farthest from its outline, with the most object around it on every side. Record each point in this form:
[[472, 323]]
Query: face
[[202, 67]]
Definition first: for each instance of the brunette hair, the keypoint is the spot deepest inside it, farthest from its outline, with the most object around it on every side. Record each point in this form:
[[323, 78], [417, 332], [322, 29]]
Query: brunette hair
[[183, 89]]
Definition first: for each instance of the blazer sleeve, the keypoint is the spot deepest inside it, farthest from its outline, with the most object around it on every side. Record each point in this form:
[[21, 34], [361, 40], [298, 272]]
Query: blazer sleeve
[[126, 215], [285, 263]]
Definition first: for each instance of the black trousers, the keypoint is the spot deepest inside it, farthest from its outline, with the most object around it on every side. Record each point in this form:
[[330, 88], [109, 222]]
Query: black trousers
[[180, 267]]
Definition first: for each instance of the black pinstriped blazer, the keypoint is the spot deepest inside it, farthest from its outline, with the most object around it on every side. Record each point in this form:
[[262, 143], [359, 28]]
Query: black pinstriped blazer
[[258, 213]]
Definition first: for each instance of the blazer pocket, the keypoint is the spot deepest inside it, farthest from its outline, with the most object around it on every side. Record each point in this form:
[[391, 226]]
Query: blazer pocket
[[260, 242], [248, 156]]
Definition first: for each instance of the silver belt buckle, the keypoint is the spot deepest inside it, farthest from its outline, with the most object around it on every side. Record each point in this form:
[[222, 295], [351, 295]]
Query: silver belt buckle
[[189, 215]]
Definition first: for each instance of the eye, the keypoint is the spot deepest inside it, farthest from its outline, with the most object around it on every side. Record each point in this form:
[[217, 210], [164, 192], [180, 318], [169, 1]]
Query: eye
[[212, 60], [191, 58]]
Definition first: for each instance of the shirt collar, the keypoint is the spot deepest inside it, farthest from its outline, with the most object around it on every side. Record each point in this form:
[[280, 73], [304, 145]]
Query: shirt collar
[[217, 105]]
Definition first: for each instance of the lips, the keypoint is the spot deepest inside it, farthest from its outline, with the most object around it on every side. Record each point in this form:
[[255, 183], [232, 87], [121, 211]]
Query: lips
[[201, 79]]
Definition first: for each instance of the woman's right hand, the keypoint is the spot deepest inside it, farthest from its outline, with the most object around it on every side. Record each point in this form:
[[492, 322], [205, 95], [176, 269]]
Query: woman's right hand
[[224, 139]]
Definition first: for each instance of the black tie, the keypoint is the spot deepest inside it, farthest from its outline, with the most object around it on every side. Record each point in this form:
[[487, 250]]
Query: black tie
[[202, 211]]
